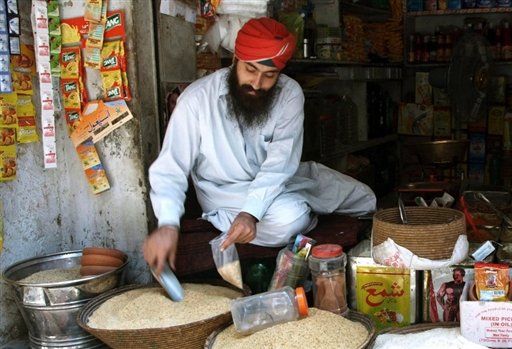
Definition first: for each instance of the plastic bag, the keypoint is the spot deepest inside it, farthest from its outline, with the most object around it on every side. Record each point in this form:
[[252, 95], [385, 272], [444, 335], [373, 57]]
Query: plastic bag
[[227, 262]]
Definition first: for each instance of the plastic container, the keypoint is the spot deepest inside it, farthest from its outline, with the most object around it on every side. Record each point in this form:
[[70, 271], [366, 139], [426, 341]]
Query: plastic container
[[254, 313], [327, 264], [291, 270]]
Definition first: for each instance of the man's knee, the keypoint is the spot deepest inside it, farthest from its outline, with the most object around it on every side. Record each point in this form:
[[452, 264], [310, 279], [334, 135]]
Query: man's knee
[[278, 230]]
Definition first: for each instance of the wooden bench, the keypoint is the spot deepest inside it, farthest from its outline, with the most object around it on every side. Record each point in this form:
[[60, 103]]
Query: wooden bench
[[194, 253]]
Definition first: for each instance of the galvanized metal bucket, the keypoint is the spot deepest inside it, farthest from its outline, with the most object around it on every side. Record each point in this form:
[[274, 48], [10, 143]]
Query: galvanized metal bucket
[[50, 309]]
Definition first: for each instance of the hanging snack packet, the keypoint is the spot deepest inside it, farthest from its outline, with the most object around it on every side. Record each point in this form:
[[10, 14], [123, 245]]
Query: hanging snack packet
[[26, 111], [227, 262], [492, 281]]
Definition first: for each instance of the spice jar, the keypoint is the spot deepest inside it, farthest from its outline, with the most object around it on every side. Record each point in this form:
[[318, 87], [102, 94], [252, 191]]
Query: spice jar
[[259, 311], [327, 264]]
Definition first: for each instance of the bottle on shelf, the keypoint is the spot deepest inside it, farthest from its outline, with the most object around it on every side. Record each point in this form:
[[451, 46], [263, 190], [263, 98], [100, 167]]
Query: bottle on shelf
[[310, 34], [506, 47], [348, 124]]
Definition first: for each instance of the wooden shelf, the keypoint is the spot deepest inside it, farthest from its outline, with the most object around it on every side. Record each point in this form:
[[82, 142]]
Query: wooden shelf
[[446, 64], [359, 146], [465, 11], [346, 71], [370, 14]]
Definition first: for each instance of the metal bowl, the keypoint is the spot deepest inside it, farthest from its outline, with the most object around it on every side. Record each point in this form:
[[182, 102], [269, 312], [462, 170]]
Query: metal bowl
[[441, 152], [50, 309]]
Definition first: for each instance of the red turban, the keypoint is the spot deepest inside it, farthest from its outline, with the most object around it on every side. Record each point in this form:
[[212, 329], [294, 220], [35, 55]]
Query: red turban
[[264, 39]]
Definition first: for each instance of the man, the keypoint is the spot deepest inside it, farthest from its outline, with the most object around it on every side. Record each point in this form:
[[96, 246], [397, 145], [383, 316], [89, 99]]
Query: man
[[449, 294], [238, 134]]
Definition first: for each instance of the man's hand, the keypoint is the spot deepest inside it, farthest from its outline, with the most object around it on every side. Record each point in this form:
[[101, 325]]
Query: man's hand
[[161, 246], [242, 231]]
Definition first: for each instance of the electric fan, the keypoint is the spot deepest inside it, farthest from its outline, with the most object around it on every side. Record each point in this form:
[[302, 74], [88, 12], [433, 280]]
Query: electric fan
[[466, 79]]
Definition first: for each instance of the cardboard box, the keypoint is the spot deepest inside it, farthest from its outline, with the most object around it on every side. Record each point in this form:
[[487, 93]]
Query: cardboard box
[[441, 97], [496, 120], [476, 147], [442, 122], [487, 323], [443, 289], [99, 119], [416, 119], [423, 91], [476, 172]]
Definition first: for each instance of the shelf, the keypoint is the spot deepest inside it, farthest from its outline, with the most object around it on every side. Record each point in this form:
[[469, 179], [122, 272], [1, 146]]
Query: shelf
[[371, 14], [347, 71], [369, 73], [359, 146], [333, 62], [427, 65], [446, 64], [465, 11]]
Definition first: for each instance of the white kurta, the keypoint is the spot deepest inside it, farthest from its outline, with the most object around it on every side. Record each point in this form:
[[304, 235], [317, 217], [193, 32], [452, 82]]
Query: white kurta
[[234, 170]]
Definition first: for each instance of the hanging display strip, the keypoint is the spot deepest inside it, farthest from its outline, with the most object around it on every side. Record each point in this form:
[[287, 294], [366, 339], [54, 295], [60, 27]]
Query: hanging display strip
[[8, 116], [5, 74], [42, 53], [96, 15], [13, 17], [55, 36], [1, 227]]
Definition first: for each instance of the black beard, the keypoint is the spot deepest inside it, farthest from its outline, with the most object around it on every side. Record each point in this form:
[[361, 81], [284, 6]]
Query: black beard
[[249, 110]]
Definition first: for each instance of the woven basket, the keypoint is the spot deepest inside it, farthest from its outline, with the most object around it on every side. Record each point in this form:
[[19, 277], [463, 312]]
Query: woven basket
[[364, 319], [430, 233], [414, 329], [188, 336]]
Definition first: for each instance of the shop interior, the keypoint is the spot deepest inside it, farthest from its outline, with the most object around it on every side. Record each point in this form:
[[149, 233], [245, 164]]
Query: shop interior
[[411, 97]]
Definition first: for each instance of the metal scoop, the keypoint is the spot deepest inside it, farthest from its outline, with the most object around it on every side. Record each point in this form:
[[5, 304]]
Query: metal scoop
[[401, 210]]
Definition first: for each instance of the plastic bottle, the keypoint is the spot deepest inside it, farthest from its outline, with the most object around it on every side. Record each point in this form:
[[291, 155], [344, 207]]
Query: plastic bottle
[[327, 263], [291, 270], [253, 313], [310, 32]]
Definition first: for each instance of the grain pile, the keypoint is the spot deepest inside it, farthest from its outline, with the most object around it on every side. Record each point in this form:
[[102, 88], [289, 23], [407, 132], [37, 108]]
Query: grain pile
[[434, 338], [320, 330], [152, 308], [53, 275]]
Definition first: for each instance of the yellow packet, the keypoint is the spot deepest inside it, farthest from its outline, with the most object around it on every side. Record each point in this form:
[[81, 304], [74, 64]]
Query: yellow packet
[[97, 178], [70, 91], [8, 162], [8, 115], [26, 111], [22, 83], [70, 58], [112, 81], [88, 155], [384, 294], [492, 281]]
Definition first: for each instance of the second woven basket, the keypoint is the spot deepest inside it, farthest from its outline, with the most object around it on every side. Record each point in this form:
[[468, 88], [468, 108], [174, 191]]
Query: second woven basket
[[430, 233]]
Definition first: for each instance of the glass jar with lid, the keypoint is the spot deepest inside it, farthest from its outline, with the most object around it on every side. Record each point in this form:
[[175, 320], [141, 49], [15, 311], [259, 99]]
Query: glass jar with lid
[[327, 264]]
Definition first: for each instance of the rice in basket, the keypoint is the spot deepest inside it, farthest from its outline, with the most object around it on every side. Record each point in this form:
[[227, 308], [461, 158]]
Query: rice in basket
[[319, 330], [152, 308]]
